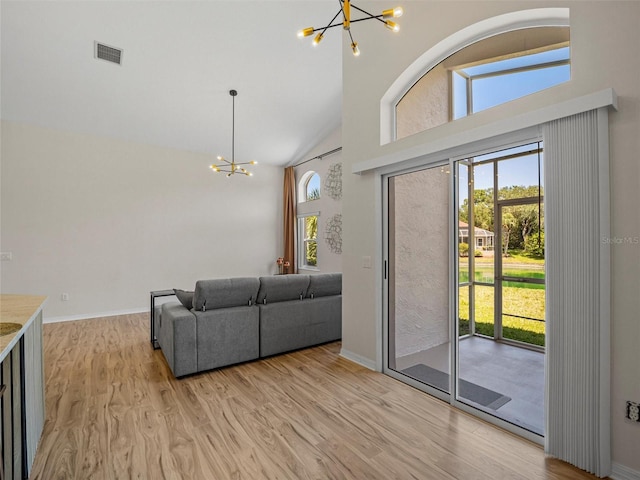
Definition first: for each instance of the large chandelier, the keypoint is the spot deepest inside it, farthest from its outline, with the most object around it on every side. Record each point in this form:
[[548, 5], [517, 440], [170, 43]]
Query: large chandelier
[[345, 10], [231, 167]]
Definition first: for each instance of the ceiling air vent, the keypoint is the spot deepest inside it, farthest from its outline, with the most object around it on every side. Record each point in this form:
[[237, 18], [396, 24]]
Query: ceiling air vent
[[110, 54]]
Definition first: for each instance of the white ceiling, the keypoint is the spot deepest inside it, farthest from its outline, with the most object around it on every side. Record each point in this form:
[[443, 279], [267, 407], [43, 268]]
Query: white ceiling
[[180, 60]]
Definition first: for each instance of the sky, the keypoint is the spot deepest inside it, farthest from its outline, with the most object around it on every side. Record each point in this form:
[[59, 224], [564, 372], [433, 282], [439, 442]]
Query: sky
[[494, 90], [518, 171]]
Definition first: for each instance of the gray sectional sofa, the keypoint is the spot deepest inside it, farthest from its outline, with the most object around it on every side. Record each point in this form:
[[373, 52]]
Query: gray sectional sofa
[[235, 320]]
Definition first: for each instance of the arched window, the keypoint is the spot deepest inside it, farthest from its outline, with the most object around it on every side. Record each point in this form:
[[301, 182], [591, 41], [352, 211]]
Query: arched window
[[488, 63], [309, 187], [484, 74]]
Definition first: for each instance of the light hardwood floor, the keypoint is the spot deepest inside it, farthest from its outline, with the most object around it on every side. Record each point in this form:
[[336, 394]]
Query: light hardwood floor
[[114, 411]]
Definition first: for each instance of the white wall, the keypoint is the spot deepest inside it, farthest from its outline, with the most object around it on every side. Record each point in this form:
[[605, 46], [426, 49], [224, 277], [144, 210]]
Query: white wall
[[604, 42], [328, 261], [421, 259], [107, 221]]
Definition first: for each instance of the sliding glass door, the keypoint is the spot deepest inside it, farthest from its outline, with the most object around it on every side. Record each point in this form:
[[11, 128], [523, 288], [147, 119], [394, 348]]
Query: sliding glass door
[[465, 261], [418, 338], [501, 324]]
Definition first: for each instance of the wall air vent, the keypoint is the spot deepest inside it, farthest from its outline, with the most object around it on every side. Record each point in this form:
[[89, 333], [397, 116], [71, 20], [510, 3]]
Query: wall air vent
[[110, 54]]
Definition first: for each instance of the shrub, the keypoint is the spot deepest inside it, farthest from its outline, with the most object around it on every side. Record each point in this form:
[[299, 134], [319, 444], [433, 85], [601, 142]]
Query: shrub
[[463, 248], [477, 253]]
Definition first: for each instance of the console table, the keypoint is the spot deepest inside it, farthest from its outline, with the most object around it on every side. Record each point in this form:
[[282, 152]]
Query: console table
[[152, 324], [22, 376]]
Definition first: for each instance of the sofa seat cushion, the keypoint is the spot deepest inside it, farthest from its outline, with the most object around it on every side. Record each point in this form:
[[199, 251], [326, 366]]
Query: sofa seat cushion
[[225, 293], [281, 288], [324, 285], [286, 326]]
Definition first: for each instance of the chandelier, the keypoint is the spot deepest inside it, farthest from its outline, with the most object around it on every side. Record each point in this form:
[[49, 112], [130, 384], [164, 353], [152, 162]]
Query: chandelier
[[345, 10], [231, 167]]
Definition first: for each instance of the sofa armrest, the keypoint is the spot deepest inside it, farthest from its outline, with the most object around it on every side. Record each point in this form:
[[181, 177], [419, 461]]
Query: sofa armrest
[[177, 338]]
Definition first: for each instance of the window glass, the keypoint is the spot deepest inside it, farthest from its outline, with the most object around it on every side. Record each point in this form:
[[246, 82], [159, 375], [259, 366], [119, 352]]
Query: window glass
[[496, 90], [312, 188], [308, 254], [520, 176]]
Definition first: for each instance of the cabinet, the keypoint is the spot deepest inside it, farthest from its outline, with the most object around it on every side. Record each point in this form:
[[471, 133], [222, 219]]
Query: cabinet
[[22, 375]]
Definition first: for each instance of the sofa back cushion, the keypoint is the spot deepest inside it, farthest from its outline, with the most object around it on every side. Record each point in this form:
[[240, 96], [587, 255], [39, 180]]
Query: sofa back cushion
[[324, 285], [280, 288], [225, 292]]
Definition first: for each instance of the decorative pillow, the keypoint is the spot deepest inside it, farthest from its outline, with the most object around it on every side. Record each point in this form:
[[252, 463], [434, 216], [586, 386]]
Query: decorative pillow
[[186, 298]]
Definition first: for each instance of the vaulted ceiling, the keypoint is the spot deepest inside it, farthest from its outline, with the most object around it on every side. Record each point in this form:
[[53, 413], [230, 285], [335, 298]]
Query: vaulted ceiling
[[180, 59]]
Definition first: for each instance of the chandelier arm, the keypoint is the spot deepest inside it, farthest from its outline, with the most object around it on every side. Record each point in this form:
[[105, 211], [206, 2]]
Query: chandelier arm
[[373, 17], [351, 36], [330, 24], [224, 160], [377, 17]]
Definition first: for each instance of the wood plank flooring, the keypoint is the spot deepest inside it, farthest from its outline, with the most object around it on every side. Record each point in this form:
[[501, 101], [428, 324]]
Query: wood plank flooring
[[114, 411]]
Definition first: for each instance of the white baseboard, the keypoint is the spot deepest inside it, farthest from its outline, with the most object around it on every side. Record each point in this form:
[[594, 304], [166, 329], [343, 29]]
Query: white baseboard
[[359, 359], [87, 316], [621, 472]]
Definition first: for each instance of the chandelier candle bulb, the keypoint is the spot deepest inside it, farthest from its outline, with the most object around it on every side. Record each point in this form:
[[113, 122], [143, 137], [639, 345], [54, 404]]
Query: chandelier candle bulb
[[305, 32], [392, 26], [393, 12], [356, 50], [318, 39]]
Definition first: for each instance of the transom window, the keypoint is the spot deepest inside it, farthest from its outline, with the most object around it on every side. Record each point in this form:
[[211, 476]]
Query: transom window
[[485, 74], [485, 85]]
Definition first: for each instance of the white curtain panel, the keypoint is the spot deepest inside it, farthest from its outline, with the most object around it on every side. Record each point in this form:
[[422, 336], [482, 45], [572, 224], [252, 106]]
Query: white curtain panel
[[576, 198]]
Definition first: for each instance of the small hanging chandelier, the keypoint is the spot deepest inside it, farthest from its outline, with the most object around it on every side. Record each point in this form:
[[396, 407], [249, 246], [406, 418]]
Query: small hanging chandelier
[[345, 10], [231, 167]]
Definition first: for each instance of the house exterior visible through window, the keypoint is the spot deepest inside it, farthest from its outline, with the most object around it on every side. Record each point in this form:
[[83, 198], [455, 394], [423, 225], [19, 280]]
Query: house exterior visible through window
[[308, 242]]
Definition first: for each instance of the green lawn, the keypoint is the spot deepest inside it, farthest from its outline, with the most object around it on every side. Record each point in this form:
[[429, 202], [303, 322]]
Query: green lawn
[[524, 302], [521, 299]]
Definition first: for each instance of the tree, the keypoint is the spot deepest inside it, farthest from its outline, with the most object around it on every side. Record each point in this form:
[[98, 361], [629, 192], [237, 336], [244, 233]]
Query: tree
[[311, 243], [313, 194], [482, 209], [534, 245], [525, 218], [508, 224]]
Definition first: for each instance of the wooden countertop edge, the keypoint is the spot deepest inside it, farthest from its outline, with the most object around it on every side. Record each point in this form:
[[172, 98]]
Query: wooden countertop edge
[[41, 300]]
